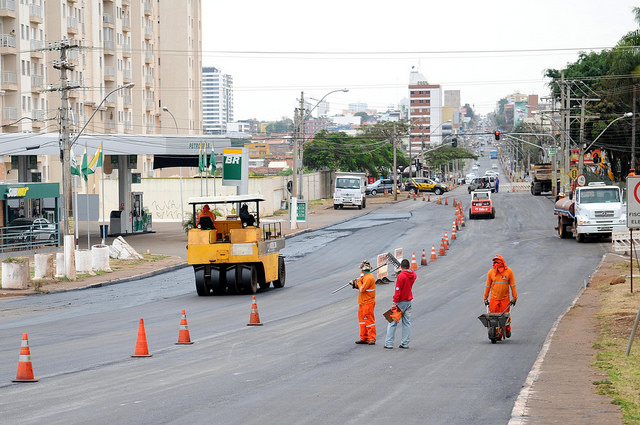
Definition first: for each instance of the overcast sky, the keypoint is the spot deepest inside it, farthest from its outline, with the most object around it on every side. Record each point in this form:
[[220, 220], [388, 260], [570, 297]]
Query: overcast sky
[[486, 49]]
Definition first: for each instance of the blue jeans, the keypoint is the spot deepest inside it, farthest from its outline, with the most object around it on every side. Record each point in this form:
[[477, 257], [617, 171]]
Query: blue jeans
[[405, 306]]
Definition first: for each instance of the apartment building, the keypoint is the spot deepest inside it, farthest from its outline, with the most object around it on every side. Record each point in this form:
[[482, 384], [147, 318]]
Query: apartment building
[[155, 45], [425, 111], [217, 100]]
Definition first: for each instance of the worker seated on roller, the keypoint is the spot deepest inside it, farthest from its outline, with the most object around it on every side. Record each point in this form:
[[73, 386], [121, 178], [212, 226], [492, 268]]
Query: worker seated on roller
[[246, 218], [206, 219]]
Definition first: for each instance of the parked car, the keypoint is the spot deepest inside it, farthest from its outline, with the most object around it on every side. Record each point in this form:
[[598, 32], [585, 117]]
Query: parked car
[[484, 182], [469, 178], [27, 229], [481, 204], [379, 186], [423, 184]]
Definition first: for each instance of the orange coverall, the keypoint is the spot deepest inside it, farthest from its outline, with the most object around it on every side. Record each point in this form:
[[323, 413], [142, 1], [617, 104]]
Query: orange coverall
[[366, 305], [499, 280]]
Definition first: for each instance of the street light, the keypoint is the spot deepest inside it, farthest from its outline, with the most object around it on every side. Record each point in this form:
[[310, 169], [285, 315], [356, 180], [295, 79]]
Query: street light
[[302, 133], [165, 109], [581, 153], [66, 166]]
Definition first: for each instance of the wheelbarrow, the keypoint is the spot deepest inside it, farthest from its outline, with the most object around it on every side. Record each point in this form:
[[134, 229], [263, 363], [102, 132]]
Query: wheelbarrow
[[495, 324]]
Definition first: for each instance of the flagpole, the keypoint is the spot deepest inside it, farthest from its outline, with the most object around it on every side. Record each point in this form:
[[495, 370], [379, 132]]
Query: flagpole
[[104, 228], [86, 180], [206, 170], [200, 167], [75, 212]]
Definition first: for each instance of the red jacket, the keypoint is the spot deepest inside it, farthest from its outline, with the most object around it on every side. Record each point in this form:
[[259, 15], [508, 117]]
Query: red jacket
[[404, 283]]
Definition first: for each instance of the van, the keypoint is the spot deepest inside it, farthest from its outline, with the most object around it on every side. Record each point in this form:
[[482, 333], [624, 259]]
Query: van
[[484, 182], [379, 186]]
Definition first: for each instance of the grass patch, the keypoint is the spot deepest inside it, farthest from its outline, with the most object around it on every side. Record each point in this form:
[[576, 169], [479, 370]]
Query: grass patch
[[616, 318]]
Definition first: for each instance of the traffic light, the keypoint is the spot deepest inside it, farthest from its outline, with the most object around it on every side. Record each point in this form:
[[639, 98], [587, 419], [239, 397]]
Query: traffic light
[[596, 158], [497, 134], [454, 142]]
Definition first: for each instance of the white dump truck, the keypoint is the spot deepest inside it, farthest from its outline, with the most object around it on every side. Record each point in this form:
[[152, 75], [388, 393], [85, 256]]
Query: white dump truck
[[350, 190], [595, 209]]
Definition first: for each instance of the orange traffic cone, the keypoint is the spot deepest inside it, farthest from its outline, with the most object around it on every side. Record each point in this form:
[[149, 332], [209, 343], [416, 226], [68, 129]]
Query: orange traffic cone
[[446, 201], [462, 220], [453, 231], [446, 241], [513, 188], [183, 335], [423, 261], [254, 319], [25, 370], [415, 196], [424, 198], [442, 250], [429, 198], [433, 253], [141, 344], [414, 264]]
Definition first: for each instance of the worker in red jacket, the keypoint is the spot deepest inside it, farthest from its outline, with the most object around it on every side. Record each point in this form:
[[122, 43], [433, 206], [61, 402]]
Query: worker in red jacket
[[500, 280], [402, 300], [366, 286]]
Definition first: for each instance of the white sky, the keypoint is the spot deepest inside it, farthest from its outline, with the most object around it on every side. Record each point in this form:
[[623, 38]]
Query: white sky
[[277, 49]]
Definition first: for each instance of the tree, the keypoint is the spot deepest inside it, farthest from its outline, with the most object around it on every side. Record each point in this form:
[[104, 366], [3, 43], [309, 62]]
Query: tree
[[285, 125]]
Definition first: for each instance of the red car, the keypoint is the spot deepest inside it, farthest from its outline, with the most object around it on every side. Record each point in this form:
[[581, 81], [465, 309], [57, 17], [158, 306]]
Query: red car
[[481, 204]]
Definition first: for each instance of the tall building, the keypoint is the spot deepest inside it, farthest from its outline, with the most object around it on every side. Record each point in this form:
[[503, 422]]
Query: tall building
[[155, 45], [217, 100], [425, 111]]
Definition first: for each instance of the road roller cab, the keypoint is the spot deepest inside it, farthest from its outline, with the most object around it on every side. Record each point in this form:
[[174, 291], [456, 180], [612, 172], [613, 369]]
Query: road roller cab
[[232, 252]]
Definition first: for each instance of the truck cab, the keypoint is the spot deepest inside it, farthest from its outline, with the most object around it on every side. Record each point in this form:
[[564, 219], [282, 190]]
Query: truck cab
[[350, 190]]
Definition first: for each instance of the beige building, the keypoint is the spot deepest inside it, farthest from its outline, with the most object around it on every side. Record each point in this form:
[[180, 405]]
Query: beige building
[[155, 45]]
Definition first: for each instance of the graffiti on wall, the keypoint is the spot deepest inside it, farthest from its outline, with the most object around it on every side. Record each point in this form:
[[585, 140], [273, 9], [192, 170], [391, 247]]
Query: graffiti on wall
[[166, 210]]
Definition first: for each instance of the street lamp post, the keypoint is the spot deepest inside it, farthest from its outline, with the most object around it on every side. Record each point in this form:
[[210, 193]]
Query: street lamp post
[[303, 118], [165, 109], [581, 157], [66, 186]]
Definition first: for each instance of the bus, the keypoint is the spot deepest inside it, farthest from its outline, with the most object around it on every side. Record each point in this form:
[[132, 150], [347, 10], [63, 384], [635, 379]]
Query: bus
[[494, 154]]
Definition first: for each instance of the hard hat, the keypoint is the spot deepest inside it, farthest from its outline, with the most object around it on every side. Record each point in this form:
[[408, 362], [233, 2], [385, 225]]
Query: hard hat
[[365, 265]]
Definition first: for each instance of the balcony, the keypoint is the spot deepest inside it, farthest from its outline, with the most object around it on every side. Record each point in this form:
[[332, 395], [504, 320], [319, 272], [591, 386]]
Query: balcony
[[108, 21], [73, 55], [9, 114], [109, 73], [128, 127], [126, 2], [37, 83], [126, 50], [148, 56], [9, 81], [110, 101], [109, 47], [127, 100], [7, 8], [126, 24], [149, 128], [149, 104], [148, 81], [126, 75], [38, 116], [35, 14], [148, 8], [148, 32], [72, 25], [109, 126], [36, 49], [8, 43]]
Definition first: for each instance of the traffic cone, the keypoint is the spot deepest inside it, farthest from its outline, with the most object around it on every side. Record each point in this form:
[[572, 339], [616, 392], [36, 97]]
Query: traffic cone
[[453, 231], [433, 253], [513, 188], [415, 196], [462, 220], [446, 241], [414, 263], [441, 253], [429, 198], [25, 370], [446, 201], [254, 319], [423, 261], [183, 335], [424, 198], [141, 344]]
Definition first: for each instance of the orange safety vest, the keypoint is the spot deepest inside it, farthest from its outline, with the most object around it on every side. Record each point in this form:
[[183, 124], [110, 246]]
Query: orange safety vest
[[366, 289], [499, 284]]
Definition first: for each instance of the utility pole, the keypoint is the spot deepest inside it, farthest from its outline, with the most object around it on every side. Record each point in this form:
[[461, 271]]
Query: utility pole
[[395, 163], [301, 143], [633, 130]]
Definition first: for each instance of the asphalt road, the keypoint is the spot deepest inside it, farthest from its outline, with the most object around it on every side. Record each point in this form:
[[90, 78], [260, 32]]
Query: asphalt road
[[302, 366]]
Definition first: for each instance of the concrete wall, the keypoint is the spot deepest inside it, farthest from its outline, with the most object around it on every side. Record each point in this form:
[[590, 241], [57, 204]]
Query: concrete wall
[[162, 195]]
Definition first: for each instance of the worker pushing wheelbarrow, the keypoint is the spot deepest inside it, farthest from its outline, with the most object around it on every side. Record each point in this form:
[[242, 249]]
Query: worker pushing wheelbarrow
[[500, 280]]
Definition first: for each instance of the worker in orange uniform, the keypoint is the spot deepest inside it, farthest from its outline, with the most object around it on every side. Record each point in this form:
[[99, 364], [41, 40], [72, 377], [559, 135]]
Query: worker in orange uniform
[[366, 286], [499, 280], [206, 212]]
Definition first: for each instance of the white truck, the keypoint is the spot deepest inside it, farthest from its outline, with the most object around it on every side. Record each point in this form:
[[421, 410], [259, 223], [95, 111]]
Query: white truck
[[350, 190], [595, 209]]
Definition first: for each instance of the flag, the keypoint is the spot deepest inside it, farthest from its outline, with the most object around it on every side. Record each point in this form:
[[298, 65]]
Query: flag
[[212, 162], [201, 159], [95, 162], [74, 164], [84, 164]]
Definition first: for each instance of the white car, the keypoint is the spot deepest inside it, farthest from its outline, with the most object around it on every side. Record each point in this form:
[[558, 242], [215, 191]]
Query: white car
[[469, 177]]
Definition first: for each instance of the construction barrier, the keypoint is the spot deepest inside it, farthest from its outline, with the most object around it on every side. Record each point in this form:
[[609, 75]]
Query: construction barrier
[[621, 241]]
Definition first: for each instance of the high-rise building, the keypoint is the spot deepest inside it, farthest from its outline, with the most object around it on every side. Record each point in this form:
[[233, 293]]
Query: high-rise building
[[155, 45], [425, 110], [217, 100]]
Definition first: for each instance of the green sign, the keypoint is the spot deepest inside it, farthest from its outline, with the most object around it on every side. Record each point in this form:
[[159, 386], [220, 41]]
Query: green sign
[[552, 151], [301, 212], [136, 178]]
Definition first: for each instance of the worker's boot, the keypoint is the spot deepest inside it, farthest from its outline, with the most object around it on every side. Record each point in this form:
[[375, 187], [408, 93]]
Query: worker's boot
[[362, 341]]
